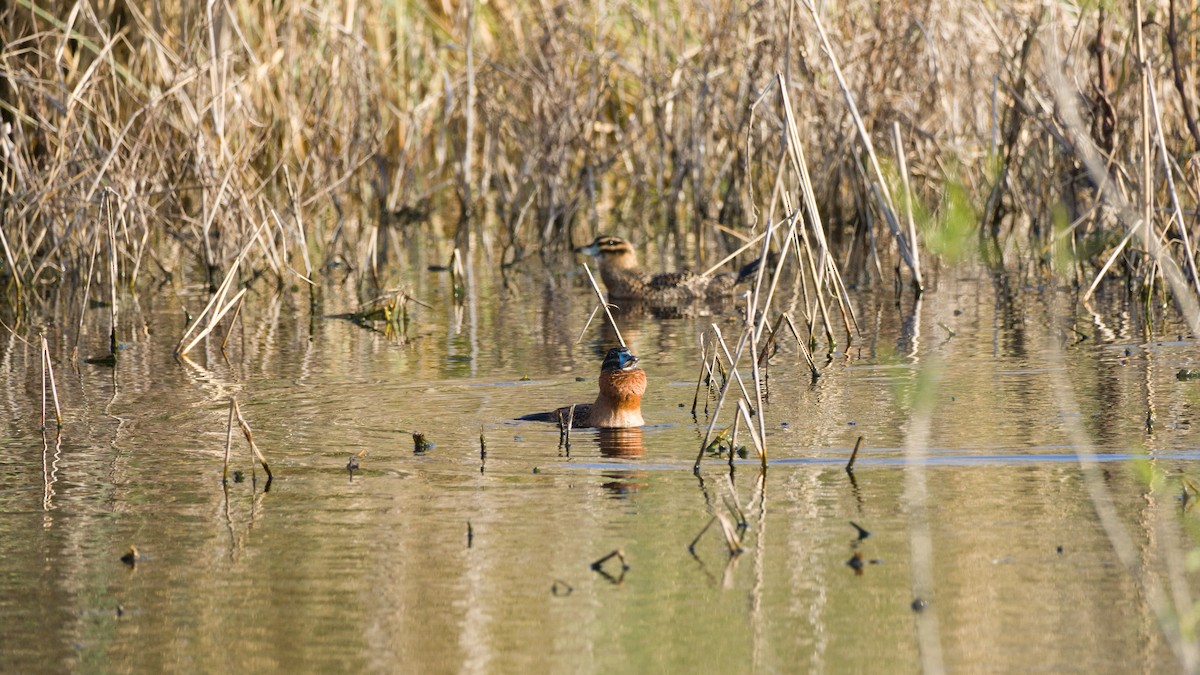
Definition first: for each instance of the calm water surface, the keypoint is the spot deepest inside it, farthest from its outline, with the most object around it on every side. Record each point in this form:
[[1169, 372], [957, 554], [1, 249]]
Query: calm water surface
[[375, 572]]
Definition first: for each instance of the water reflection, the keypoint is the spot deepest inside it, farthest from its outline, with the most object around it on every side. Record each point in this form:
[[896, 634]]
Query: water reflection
[[386, 577], [622, 444]]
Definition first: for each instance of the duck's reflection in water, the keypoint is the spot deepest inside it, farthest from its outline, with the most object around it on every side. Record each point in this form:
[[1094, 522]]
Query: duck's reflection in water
[[622, 444]]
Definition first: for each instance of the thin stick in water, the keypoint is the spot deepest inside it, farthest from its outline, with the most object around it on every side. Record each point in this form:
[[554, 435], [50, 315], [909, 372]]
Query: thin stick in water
[[854, 455], [48, 373], [228, 440], [250, 439], [604, 304]]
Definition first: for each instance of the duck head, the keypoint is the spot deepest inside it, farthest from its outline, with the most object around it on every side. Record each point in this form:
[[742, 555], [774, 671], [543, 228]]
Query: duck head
[[612, 251], [619, 359]]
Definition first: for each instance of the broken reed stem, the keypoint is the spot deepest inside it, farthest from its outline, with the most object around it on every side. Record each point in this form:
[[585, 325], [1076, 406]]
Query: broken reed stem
[[700, 377], [213, 320], [217, 301], [854, 455], [307, 277], [812, 366], [759, 445], [229, 439], [756, 373], [604, 304], [733, 439], [739, 251], [733, 361], [570, 422], [257, 455], [241, 297]]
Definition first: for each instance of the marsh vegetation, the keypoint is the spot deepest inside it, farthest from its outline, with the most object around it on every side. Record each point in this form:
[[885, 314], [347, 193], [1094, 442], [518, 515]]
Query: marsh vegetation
[[982, 221]]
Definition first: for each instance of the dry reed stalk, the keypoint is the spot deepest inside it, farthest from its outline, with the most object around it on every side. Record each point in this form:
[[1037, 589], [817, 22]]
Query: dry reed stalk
[[736, 253], [299, 215], [256, 454], [902, 167], [8, 254], [733, 361], [759, 384], [87, 294], [307, 276], [812, 366], [217, 307], [759, 441], [1176, 210], [112, 274], [570, 421], [48, 374], [733, 440], [241, 298], [603, 303], [1134, 220], [700, 377], [229, 439], [879, 186]]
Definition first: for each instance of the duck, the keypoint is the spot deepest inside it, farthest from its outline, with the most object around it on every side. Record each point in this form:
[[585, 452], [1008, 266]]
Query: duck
[[619, 403], [626, 281]]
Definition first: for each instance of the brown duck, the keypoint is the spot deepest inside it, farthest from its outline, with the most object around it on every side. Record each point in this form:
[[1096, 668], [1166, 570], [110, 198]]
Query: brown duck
[[626, 281], [619, 403]]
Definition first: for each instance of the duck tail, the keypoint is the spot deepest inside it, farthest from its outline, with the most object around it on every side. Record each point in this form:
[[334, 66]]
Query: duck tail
[[751, 268], [550, 416]]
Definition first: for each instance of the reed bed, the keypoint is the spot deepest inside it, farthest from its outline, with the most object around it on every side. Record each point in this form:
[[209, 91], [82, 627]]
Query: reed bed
[[298, 138]]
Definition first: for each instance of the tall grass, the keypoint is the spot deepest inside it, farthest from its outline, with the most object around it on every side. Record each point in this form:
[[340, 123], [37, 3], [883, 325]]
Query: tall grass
[[548, 122]]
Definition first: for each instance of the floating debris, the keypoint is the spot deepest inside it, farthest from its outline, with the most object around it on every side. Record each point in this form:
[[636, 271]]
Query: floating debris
[[131, 557], [421, 445], [1188, 374], [918, 605], [470, 534]]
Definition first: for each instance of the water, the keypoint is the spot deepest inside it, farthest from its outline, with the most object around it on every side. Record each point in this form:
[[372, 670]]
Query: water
[[376, 571]]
